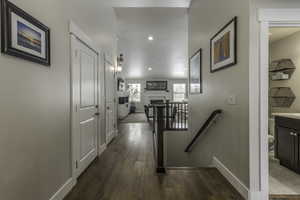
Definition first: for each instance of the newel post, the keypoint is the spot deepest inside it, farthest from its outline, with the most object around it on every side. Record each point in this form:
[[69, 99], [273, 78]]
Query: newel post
[[160, 139]]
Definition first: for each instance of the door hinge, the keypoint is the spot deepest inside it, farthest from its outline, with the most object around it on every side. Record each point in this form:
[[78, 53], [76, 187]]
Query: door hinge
[[76, 164]]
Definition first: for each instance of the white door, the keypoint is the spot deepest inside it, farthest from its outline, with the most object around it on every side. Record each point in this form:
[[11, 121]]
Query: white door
[[84, 105], [110, 100]]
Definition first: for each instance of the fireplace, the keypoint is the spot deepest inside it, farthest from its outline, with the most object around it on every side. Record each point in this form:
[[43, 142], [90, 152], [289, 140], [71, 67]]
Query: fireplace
[[157, 101]]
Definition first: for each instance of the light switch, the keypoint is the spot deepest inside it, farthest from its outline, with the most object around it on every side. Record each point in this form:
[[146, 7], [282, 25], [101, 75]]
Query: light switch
[[231, 100]]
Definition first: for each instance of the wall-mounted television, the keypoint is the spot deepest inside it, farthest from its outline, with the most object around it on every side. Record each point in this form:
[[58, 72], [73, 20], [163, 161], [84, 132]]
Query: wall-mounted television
[[157, 85]]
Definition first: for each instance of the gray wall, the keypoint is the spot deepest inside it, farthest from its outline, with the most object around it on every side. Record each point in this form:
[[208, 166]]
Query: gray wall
[[288, 48], [35, 102], [140, 106], [228, 139]]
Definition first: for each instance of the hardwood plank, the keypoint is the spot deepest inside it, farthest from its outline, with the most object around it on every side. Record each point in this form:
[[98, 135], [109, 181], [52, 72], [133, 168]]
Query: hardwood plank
[[126, 171]]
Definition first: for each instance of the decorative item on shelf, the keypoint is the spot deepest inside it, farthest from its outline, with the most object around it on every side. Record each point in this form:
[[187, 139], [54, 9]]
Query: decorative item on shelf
[[120, 61], [24, 36], [195, 73], [282, 97], [282, 69], [223, 47]]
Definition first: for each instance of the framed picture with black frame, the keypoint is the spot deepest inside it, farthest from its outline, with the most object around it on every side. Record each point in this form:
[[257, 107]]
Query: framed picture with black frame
[[24, 36], [157, 85], [223, 47], [195, 73]]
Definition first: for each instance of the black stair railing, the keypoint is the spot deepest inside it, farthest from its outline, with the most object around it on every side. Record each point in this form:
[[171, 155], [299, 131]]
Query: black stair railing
[[158, 137], [176, 116], [212, 118]]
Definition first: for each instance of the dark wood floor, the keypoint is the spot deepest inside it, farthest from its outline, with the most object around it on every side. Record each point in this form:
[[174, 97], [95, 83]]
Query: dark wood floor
[[125, 171], [284, 197]]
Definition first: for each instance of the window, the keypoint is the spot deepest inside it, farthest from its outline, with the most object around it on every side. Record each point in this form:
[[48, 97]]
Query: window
[[179, 90], [134, 92]]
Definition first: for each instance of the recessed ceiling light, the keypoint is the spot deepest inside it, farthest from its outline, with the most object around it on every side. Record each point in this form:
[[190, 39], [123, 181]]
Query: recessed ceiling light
[[150, 68], [150, 38]]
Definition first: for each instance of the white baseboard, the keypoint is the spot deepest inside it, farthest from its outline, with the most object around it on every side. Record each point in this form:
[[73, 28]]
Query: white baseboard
[[64, 190], [234, 181], [102, 149], [257, 195], [116, 132]]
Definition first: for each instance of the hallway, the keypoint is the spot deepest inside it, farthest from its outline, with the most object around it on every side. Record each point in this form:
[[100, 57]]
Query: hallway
[[126, 171]]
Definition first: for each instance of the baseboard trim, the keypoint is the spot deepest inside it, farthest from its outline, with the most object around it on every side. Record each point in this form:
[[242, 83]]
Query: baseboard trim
[[102, 149], [183, 168], [234, 181], [64, 190], [255, 195]]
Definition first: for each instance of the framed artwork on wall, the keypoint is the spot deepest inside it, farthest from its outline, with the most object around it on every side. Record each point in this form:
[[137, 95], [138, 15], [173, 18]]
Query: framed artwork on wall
[[24, 36], [223, 47], [121, 85], [157, 85], [195, 73]]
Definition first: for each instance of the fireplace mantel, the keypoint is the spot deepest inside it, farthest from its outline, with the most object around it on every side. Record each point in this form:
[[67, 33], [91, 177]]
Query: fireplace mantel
[[156, 96]]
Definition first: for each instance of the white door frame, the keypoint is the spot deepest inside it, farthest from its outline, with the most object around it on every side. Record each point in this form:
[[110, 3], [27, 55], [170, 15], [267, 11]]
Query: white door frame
[[259, 76], [74, 30]]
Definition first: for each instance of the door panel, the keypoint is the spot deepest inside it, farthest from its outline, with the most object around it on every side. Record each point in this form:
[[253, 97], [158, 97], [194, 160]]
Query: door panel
[[87, 80], [285, 147], [296, 153], [109, 122], [87, 137], [110, 93], [84, 120]]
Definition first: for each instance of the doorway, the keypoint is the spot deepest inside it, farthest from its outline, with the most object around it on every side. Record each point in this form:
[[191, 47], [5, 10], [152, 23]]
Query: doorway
[[110, 99], [259, 99], [284, 112], [85, 108]]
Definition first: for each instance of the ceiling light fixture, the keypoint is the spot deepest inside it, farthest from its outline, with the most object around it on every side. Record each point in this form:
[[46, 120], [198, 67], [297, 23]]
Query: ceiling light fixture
[[150, 38], [119, 69], [150, 68]]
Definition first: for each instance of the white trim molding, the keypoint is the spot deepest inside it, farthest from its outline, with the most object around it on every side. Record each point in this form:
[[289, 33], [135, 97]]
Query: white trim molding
[[77, 32], [279, 15], [233, 180], [64, 190], [116, 132], [102, 148]]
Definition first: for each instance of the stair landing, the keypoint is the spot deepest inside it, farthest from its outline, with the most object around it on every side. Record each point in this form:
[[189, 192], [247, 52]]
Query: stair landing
[[126, 171]]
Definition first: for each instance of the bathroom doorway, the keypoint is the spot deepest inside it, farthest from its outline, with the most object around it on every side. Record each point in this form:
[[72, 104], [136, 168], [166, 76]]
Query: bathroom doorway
[[284, 112]]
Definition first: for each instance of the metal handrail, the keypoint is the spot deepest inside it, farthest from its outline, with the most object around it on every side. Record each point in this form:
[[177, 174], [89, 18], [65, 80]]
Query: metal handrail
[[212, 118]]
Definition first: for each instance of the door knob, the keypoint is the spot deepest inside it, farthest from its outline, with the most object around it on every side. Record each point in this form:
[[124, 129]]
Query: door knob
[[97, 114], [293, 134], [108, 107]]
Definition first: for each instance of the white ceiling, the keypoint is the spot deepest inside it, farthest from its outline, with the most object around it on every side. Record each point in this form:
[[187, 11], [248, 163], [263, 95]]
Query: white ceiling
[[150, 3], [166, 54], [280, 33]]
